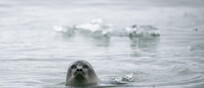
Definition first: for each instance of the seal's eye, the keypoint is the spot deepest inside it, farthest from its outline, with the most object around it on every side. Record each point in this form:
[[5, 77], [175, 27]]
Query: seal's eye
[[73, 66], [85, 66]]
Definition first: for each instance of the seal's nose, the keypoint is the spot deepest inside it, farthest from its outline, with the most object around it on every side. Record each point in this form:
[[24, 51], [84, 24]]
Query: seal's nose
[[79, 69]]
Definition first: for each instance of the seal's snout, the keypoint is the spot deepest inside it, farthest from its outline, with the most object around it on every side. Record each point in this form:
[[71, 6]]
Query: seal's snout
[[79, 69]]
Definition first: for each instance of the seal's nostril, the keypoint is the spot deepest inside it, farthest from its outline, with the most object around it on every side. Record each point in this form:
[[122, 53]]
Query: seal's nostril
[[79, 70]]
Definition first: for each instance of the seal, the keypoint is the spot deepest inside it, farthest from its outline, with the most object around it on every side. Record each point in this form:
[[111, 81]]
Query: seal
[[81, 73]]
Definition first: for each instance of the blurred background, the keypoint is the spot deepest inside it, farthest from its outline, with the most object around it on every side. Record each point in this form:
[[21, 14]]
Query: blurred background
[[141, 43]]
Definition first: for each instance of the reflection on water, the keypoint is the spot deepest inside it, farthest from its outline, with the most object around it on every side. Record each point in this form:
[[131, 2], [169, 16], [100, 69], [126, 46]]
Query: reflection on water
[[105, 42], [144, 44]]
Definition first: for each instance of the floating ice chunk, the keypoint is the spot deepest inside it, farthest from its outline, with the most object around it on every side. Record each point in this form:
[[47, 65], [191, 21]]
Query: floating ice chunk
[[89, 27], [60, 28], [68, 30], [95, 29], [142, 31]]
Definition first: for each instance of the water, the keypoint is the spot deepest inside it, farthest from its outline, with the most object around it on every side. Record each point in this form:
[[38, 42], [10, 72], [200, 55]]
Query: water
[[33, 54]]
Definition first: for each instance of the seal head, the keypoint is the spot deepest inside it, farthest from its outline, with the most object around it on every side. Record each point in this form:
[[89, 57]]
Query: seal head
[[81, 73]]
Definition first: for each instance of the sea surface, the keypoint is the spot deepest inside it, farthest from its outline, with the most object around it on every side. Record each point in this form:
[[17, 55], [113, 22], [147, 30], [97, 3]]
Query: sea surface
[[36, 48]]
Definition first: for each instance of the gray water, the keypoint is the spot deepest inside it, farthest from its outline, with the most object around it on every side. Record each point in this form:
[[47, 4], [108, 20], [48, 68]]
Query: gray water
[[34, 55]]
